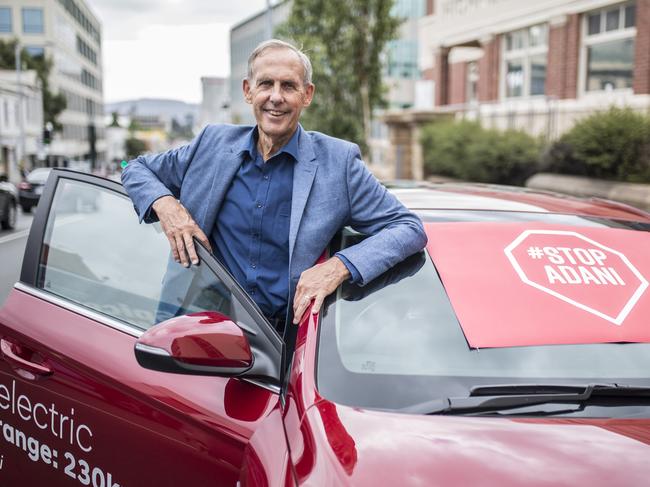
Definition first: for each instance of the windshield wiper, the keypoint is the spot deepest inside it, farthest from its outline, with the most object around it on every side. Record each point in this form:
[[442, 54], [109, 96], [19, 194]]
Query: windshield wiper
[[507, 396]]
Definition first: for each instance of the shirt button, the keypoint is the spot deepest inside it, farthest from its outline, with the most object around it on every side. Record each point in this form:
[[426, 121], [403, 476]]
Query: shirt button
[[254, 266], [266, 177], [259, 205]]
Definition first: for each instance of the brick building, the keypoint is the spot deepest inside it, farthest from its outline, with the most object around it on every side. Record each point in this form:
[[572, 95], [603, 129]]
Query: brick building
[[537, 66]]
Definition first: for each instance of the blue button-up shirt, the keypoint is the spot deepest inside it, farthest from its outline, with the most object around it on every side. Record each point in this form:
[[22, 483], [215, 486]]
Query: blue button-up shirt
[[251, 234]]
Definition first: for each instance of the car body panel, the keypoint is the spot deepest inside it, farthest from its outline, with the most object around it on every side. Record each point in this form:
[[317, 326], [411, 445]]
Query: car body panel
[[502, 198], [362, 447], [337, 445], [197, 421], [266, 458]]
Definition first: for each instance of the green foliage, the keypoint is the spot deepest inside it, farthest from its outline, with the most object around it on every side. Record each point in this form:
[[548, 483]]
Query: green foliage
[[344, 40], [134, 147], [467, 151], [53, 103], [610, 145], [115, 120]]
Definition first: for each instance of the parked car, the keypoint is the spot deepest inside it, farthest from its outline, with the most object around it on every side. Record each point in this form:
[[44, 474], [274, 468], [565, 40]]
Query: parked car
[[514, 350], [8, 204], [31, 188]]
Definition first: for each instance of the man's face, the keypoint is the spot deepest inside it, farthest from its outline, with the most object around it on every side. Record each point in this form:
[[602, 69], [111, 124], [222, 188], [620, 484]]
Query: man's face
[[277, 92]]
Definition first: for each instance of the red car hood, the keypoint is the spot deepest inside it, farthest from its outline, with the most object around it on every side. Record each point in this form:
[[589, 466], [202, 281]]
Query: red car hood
[[371, 448]]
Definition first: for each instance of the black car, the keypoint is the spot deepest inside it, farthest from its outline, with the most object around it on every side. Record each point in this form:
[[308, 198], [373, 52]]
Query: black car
[[31, 188], [8, 204]]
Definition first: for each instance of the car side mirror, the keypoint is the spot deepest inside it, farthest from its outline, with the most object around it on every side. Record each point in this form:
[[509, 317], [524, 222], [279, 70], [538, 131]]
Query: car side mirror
[[207, 343]]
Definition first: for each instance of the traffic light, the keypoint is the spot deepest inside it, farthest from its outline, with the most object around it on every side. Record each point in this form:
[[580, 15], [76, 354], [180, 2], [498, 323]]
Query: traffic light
[[47, 133]]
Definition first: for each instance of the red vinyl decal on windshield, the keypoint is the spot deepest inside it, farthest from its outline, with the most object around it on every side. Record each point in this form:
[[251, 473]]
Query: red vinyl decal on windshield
[[513, 285]]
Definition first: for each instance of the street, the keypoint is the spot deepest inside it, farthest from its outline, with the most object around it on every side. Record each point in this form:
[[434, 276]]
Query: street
[[12, 247]]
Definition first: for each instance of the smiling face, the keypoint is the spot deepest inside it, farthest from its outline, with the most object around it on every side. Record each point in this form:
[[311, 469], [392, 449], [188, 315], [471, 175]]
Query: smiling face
[[278, 94]]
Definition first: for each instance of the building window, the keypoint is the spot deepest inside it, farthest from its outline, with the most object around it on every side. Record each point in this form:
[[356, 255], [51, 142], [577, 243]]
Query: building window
[[408, 9], [73, 9], [524, 61], [35, 51], [472, 82], [33, 21], [5, 19], [90, 81], [609, 48], [402, 59], [86, 51]]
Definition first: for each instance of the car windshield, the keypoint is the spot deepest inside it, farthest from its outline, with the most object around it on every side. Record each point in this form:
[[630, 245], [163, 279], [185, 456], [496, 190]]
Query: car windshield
[[397, 342]]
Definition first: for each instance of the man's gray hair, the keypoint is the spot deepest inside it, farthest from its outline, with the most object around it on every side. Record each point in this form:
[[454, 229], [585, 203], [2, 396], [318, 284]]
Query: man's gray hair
[[278, 44]]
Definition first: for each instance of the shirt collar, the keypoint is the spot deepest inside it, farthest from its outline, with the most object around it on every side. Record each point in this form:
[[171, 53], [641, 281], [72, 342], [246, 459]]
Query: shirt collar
[[291, 147]]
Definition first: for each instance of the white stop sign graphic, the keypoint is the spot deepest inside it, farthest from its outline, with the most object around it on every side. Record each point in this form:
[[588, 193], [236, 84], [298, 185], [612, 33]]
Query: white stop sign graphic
[[579, 271]]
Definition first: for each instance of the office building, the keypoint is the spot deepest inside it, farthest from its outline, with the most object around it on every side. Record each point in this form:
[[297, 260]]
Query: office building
[[70, 34], [401, 77]]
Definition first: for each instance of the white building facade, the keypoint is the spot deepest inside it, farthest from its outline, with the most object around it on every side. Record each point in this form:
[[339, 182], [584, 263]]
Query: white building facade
[[69, 33], [21, 122], [215, 102]]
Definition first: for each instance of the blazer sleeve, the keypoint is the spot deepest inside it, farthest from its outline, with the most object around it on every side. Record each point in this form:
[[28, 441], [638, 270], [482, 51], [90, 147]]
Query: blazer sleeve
[[395, 232], [150, 177]]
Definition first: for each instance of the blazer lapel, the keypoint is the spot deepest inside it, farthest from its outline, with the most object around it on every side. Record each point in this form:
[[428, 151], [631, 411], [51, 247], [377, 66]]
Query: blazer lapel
[[303, 178], [225, 168]]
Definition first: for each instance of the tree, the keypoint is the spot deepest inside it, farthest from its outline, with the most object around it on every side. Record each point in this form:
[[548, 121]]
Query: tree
[[53, 103], [345, 40], [134, 147], [114, 120]]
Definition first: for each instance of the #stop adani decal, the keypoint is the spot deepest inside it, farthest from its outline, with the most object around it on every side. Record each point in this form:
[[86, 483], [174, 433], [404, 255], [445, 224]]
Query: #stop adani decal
[[514, 285]]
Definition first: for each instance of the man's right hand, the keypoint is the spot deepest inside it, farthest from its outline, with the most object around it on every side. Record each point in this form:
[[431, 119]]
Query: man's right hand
[[179, 227]]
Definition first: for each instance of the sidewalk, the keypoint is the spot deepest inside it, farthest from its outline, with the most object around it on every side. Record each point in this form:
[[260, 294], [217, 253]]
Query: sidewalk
[[631, 193]]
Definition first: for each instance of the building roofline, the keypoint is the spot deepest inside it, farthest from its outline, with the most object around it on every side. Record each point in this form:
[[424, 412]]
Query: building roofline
[[254, 16]]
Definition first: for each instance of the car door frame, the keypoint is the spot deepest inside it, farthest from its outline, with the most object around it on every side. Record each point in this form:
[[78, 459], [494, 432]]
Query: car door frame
[[267, 345]]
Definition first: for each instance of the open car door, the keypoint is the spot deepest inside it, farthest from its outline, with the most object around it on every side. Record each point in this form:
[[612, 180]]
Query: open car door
[[75, 406]]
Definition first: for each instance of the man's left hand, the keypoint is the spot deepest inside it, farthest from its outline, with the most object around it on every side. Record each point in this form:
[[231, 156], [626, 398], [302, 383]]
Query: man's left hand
[[316, 284]]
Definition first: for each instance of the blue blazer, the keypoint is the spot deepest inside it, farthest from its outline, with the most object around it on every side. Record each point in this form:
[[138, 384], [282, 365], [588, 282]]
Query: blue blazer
[[332, 188]]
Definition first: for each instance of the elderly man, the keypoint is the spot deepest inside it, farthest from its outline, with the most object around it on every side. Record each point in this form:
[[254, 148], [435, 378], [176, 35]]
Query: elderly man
[[267, 199]]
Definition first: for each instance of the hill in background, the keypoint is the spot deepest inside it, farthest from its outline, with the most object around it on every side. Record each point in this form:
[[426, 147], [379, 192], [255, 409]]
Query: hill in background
[[164, 108]]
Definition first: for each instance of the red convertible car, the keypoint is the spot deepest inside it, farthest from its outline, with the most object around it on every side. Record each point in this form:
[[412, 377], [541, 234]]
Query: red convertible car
[[514, 350]]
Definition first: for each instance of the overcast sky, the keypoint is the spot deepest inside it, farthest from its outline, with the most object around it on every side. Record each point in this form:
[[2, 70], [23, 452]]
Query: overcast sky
[[161, 48]]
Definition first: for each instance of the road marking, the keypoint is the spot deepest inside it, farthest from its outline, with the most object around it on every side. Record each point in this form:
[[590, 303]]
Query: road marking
[[14, 236]]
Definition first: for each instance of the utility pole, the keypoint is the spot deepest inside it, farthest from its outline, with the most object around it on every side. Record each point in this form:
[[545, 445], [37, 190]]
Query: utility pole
[[20, 152]]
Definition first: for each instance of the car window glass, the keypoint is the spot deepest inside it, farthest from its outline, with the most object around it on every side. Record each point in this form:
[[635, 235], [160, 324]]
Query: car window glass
[[96, 254]]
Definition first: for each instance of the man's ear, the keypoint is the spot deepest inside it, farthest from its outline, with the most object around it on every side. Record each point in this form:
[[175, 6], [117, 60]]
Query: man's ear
[[246, 87], [309, 95]]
